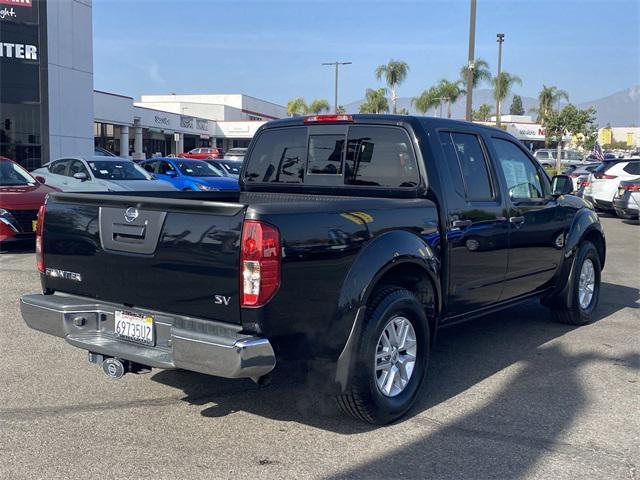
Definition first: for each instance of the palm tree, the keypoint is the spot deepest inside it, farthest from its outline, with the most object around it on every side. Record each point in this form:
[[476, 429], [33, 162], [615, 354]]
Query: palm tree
[[318, 106], [375, 101], [547, 98], [449, 90], [428, 99], [502, 85], [296, 107], [481, 73], [394, 74], [483, 113]]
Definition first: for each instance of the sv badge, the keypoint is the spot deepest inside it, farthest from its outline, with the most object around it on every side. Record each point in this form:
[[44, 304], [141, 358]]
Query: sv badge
[[222, 300]]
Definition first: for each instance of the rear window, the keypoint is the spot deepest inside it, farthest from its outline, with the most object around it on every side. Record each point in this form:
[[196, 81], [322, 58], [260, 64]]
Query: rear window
[[362, 156], [278, 157], [632, 168], [380, 157]]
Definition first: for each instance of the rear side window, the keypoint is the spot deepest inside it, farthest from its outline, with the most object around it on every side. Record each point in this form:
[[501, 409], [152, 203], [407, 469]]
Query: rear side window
[[278, 156], [467, 164], [380, 157], [632, 168]]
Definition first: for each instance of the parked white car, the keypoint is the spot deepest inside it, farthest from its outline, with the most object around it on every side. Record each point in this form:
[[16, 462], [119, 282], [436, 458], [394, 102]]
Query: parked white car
[[603, 184], [99, 174]]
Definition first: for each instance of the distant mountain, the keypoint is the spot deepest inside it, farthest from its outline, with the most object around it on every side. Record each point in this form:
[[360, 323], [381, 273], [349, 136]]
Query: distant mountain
[[620, 109]]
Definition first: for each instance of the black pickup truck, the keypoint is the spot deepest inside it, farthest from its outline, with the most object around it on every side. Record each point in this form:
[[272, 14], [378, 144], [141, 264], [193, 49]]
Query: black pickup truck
[[353, 239]]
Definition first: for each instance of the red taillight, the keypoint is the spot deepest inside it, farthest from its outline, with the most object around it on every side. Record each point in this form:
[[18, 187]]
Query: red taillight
[[40, 238], [584, 183], [604, 176], [259, 263], [328, 118], [635, 187]]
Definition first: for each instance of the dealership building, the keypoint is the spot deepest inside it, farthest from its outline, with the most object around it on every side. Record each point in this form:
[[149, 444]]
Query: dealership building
[[49, 109]]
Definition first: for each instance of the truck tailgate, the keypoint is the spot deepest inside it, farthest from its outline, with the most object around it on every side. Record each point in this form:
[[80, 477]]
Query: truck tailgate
[[173, 255]]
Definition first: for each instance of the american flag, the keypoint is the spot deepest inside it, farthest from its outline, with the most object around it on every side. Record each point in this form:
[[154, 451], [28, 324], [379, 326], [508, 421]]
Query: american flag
[[597, 152]]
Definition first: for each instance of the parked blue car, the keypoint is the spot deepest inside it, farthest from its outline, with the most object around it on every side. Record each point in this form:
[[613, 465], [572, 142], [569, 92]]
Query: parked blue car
[[190, 174]]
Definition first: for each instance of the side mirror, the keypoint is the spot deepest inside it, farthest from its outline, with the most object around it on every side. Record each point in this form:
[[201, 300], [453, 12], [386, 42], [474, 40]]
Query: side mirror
[[80, 176], [171, 174], [40, 179], [561, 185]]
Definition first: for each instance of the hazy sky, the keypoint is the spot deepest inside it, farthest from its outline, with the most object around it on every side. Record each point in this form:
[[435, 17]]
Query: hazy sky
[[273, 49]]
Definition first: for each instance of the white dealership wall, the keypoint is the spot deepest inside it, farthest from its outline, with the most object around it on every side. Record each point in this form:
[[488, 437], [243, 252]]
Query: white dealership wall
[[121, 111], [216, 106], [70, 77]]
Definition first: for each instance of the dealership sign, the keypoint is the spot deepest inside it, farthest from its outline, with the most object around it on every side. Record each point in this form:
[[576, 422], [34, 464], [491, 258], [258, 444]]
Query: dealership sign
[[9, 13], [529, 131], [19, 51], [17, 3]]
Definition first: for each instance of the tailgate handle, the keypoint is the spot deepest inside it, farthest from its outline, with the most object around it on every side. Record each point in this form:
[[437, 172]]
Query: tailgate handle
[[128, 233]]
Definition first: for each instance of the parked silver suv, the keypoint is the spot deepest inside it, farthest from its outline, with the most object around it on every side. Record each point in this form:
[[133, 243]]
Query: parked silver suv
[[547, 156]]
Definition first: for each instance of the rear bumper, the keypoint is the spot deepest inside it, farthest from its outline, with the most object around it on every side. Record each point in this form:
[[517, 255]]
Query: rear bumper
[[626, 207], [189, 343]]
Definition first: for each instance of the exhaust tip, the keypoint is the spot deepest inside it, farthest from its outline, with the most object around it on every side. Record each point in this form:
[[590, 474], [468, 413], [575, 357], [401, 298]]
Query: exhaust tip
[[113, 368]]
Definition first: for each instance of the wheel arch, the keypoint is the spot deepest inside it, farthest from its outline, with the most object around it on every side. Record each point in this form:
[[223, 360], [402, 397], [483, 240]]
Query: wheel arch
[[394, 258]]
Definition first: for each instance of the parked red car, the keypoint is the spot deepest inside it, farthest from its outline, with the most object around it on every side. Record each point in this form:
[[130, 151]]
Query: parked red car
[[20, 198], [202, 153]]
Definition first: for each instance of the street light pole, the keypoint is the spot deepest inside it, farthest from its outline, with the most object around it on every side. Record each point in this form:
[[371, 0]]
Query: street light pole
[[335, 92], [471, 65], [500, 40]]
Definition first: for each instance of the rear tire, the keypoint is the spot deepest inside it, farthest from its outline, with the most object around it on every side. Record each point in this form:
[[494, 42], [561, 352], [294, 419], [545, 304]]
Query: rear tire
[[585, 288], [385, 379]]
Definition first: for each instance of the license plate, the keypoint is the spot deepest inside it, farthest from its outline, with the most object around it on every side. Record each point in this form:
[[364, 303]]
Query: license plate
[[34, 225], [134, 327]]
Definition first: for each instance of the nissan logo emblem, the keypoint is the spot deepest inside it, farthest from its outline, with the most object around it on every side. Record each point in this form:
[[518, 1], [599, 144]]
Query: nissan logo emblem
[[130, 214]]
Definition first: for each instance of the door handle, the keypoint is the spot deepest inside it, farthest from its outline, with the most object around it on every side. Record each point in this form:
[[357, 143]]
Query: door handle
[[516, 220], [461, 223]]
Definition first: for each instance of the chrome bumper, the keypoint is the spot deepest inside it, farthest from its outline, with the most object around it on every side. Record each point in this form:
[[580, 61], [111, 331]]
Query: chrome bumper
[[203, 346]]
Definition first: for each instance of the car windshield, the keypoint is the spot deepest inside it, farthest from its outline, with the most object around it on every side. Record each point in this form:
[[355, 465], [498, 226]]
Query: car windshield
[[232, 167], [118, 170], [13, 175], [198, 169]]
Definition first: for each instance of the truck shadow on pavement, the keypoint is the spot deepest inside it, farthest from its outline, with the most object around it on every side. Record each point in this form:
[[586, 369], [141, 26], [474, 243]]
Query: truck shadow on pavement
[[528, 415]]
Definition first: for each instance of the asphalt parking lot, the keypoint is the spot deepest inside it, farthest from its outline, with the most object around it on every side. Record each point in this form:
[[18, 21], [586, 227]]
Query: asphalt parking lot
[[514, 395]]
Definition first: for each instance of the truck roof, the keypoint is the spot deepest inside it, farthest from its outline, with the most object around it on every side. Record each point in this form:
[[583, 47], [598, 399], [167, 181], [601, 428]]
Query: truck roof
[[384, 119]]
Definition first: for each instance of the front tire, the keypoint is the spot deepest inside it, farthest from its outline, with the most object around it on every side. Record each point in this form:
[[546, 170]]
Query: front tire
[[391, 360], [585, 288]]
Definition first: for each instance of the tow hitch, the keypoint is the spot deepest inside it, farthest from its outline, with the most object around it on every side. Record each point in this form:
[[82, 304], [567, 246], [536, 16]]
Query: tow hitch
[[115, 368]]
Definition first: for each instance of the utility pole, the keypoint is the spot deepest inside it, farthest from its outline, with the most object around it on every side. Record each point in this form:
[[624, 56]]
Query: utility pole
[[471, 65], [335, 92], [500, 40]]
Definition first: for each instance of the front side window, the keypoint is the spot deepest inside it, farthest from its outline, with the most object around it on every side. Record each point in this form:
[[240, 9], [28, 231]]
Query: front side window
[[77, 167], [279, 156], [165, 167], [522, 177], [380, 157]]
